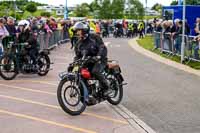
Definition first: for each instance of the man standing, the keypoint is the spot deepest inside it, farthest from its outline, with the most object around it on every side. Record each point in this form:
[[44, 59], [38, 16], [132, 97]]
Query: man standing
[[197, 31], [10, 26]]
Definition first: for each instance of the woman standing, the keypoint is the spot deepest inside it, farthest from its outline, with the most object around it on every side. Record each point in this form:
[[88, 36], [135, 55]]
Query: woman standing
[[3, 34]]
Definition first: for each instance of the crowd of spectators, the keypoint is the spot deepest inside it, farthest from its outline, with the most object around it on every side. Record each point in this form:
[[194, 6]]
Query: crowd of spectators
[[21, 29], [171, 32]]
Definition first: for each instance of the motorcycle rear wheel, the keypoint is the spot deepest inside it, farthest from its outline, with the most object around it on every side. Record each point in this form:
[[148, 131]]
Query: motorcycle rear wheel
[[44, 65], [116, 96]]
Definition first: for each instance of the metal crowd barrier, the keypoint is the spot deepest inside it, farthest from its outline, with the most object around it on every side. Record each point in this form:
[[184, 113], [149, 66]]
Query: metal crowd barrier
[[49, 40], [172, 45], [192, 49], [44, 40], [157, 39]]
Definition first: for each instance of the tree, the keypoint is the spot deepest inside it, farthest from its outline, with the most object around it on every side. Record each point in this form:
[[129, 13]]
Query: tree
[[18, 16], [192, 2], [174, 2], [82, 10], [117, 8], [94, 6], [135, 9], [157, 7], [31, 7], [188, 2], [105, 11]]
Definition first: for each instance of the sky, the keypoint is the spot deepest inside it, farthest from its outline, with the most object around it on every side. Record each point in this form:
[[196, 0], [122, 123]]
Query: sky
[[150, 3]]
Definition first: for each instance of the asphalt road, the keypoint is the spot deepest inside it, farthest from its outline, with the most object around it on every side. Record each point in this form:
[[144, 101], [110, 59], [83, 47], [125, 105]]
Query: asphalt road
[[28, 104], [165, 98]]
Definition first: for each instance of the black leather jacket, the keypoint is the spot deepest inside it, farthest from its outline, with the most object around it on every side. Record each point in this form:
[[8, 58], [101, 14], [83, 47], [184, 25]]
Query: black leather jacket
[[93, 45]]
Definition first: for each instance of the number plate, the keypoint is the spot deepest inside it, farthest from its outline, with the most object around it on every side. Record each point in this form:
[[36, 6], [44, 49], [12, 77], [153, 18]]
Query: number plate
[[75, 69]]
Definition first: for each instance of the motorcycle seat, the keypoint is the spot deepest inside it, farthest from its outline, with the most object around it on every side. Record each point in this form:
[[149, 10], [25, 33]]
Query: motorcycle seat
[[112, 64]]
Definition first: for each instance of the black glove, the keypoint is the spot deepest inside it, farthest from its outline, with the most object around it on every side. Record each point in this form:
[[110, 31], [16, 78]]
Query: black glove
[[96, 58]]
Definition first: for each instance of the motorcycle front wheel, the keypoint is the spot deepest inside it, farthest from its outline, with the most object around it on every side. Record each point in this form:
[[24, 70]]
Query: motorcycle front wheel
[[8, 67], [69, 98]]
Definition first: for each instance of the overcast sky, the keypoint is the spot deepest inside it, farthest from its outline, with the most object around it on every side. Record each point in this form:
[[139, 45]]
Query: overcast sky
[[74, 2]]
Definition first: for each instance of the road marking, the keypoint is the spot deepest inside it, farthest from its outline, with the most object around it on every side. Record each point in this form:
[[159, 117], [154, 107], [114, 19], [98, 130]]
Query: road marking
[[107, 43], [105, 118], [29, 101], [46, 121], [57, 107], [33, 81], [117, 45], [27, 89]]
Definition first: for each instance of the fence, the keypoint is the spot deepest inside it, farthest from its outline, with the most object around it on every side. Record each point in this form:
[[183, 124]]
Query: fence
[[48, 40], [45, 40], [171, 45]]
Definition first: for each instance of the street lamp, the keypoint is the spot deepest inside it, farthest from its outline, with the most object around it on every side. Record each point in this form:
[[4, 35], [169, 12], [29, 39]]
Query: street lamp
[[183, 32], [66, 11], [145, 12]]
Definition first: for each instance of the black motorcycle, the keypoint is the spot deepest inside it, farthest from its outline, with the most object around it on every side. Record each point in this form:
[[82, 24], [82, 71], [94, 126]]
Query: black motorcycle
[[78, 88], [16, 60], [117, 33], [105, 33], [129, 33]]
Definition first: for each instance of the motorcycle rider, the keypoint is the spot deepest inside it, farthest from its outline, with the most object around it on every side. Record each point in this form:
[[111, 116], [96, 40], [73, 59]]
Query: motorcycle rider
[[26, 36], [94, 47], [130, 28]]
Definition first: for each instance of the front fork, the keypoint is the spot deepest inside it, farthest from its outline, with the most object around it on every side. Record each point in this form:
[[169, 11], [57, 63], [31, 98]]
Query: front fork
[[84, 91]]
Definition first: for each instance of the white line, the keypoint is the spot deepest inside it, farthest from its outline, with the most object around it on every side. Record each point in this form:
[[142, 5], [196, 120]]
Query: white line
[[107, 43], [46, 121], [27, 89]]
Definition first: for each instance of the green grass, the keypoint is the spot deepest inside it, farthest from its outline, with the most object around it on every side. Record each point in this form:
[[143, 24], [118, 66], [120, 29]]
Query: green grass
[[148, 43], [37, 13], [151, 17]]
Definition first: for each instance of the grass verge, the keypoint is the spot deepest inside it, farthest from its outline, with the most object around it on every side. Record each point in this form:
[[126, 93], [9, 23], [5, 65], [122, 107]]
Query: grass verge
[[148, 43]]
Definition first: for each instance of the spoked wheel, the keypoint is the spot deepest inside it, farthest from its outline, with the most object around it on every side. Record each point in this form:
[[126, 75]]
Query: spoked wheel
[[44, 65], [117, 90], [69, 98], [8, 67]]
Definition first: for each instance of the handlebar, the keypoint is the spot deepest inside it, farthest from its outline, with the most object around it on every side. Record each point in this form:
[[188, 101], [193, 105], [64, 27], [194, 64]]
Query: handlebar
[[84, 59]]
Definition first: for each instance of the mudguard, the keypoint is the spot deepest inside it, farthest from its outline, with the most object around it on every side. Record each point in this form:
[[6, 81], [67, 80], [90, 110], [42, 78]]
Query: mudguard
[[72, 77], [120, 77], [68, 76], [44, 52]]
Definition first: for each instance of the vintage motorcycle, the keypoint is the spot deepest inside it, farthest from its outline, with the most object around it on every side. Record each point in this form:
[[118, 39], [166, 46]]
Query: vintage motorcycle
[[15, 60], [78, 88]]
